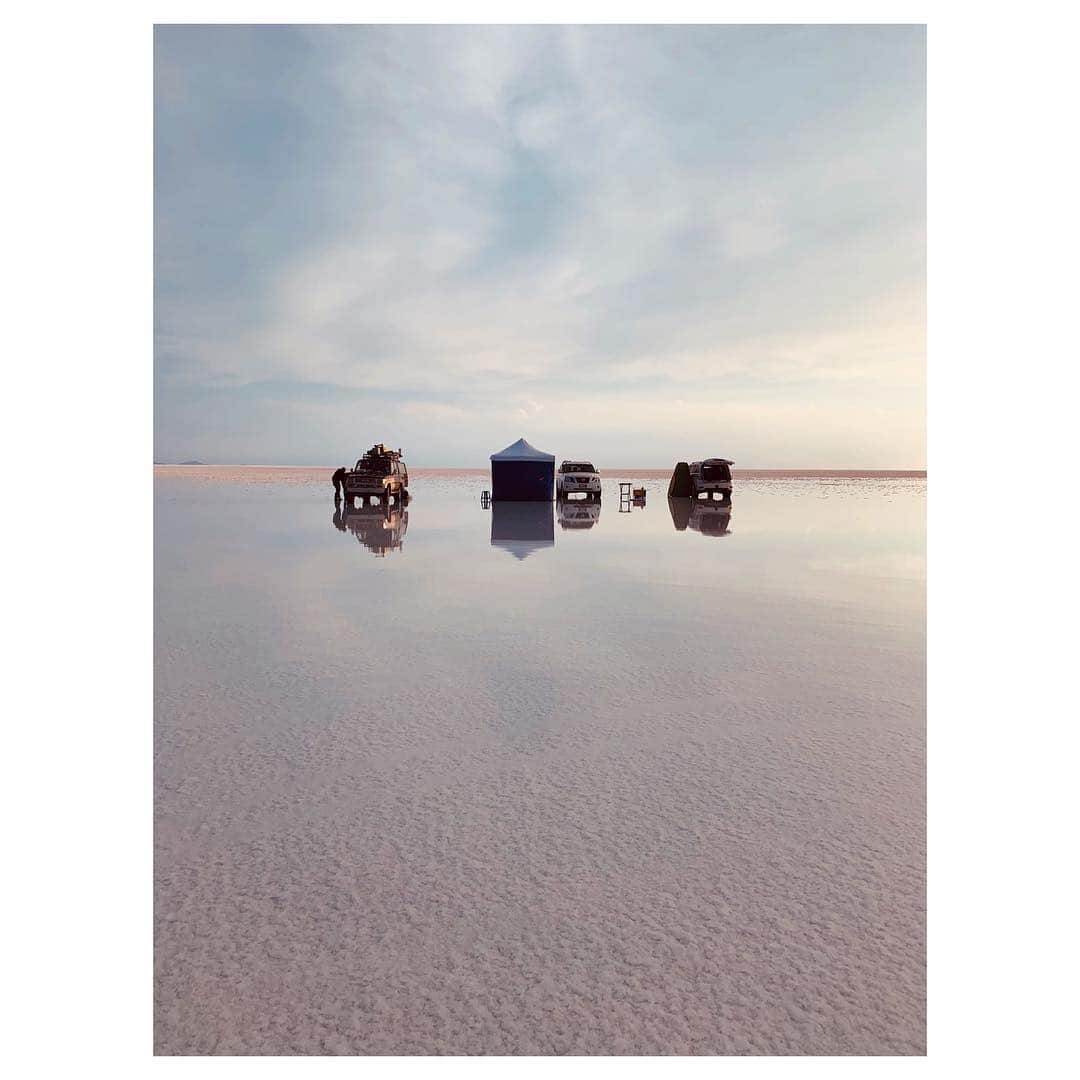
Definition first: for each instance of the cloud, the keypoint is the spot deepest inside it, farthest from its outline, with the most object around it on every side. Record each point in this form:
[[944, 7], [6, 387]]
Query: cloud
[[530, 409], [499, 222]]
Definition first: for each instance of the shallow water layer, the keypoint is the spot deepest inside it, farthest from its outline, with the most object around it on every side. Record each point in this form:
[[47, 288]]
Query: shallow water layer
[[543, 780]]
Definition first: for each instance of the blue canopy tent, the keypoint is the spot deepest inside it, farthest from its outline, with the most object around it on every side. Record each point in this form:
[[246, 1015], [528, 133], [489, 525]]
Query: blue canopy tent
[[523, 474]]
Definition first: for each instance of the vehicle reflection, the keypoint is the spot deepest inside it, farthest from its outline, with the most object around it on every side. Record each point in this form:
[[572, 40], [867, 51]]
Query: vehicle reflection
[[522, 527], [708, 516], [380, 528], [578, 514]]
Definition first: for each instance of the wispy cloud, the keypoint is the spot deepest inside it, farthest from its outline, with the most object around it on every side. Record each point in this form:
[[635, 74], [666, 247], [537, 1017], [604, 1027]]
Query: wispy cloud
[[566, 231]]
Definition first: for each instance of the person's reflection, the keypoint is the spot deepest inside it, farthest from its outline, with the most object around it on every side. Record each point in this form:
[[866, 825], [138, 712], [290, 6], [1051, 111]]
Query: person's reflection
[[380, 528], [578, 514], [522, 527], [710, 517]]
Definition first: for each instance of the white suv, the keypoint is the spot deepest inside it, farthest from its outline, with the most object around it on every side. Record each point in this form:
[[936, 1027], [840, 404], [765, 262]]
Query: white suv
[[577, 476]]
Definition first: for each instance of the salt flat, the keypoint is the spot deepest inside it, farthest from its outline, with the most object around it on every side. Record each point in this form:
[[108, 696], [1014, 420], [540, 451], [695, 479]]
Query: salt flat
[[538, 787]]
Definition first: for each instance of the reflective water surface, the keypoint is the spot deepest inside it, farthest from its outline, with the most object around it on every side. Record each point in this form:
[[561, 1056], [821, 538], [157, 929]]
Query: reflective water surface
[[538, 778]]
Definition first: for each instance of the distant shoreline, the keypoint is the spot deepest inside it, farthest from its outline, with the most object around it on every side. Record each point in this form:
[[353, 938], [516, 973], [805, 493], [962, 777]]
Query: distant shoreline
[[639, 471]]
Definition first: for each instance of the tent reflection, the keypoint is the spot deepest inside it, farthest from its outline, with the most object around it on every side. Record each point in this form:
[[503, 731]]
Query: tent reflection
[[522, 527]]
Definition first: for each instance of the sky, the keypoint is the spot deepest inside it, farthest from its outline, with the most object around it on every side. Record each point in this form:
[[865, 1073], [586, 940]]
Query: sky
[[633, 245]]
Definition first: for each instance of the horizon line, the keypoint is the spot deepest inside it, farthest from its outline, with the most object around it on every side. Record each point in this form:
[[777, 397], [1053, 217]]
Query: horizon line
[[823, 470]]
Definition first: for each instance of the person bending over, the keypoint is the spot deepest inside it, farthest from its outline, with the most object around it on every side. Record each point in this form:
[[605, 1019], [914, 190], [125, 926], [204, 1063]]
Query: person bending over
[[338, 480]]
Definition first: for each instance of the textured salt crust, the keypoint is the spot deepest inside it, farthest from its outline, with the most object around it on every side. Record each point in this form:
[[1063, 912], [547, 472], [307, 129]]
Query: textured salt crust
[[568, 821]]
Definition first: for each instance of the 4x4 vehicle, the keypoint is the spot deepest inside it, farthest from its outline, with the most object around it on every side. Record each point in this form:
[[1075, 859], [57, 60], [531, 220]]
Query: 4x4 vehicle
[[711, 518], [379, 474], [711, 477], [577, 476], [380, 527], [578, 513]]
